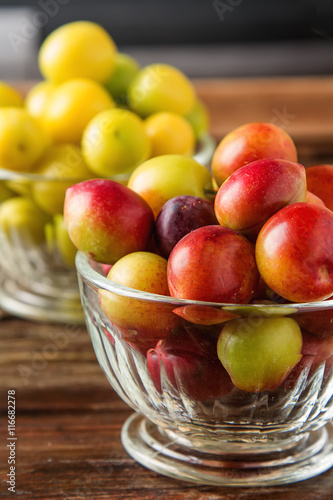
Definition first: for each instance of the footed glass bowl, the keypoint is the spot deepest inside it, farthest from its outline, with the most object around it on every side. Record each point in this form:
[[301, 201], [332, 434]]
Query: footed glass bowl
[[37, 271], [190, 421]]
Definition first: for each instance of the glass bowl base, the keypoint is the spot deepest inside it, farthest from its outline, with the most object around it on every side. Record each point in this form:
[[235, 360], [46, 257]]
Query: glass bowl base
[[152, 447], [40, 303]]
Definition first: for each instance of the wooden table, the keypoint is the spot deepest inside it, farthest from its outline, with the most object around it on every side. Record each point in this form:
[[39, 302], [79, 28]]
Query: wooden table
[[68, 427], [68, 418]]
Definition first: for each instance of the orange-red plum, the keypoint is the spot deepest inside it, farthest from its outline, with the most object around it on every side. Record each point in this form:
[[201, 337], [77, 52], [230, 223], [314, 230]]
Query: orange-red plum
[[106, 220], [253, 193], [214, 264], [141, 322], [320, 182], [250, 142], [294, 252]]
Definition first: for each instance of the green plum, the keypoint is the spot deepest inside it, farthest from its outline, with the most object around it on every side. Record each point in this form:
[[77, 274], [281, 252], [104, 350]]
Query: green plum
[[115, 142], [163, 177], [259, 353], [199, 119], [23, 221], [59, 242], [161, 87], [64, 243], [5, 192], [125, 68], [61, 166]]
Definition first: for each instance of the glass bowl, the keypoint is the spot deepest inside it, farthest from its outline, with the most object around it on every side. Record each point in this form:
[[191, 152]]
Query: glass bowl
[[37, 272], [190, 421]]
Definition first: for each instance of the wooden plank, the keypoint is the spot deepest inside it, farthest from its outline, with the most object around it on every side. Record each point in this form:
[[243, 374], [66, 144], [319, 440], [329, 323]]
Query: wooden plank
[[68, 426], [303, 106]]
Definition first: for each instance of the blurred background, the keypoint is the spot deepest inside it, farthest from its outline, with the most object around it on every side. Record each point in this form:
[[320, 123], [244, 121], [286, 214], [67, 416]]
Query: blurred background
[[204, 38]]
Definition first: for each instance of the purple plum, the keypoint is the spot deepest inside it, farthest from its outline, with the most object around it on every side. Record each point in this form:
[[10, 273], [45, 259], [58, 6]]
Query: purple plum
[[179, 216]]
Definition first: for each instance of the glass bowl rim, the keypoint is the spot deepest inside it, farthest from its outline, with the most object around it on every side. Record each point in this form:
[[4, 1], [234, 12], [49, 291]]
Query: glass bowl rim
[[97, 280], [205, 143]]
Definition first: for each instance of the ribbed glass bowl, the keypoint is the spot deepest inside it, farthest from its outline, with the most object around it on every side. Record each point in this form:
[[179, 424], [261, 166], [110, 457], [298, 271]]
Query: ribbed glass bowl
[[36, 281], [196, 426], [37, 271]]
